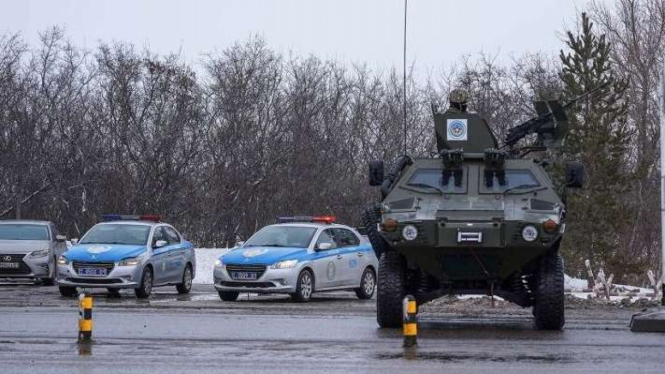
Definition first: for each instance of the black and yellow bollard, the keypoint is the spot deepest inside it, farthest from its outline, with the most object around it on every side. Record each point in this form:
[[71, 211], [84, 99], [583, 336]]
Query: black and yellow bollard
[[85, 318], [410, 321]]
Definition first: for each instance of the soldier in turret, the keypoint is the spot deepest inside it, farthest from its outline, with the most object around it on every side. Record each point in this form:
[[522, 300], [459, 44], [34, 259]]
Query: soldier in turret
[[457, 99]]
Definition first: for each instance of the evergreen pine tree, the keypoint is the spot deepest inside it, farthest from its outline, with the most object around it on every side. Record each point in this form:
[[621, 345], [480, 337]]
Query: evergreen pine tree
[[599, 137]]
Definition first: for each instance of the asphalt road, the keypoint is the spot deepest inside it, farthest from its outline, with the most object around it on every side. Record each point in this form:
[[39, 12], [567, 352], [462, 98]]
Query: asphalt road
[[335, 333]]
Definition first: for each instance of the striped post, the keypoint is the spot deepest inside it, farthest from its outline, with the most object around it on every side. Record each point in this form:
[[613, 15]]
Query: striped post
[[85, 318], [410, 323]]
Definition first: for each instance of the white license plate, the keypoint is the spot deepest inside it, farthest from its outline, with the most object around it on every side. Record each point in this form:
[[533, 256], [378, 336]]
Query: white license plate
[[9, 265], [92, 272], [469, 237], [243, 275]]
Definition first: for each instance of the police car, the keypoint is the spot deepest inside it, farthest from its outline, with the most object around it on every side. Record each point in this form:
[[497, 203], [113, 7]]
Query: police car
[[298, 256], [127, 251]]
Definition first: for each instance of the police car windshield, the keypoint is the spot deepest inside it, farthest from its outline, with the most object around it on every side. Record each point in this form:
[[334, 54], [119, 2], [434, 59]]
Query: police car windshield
[[117, 234], [20, 231], [282, 236]]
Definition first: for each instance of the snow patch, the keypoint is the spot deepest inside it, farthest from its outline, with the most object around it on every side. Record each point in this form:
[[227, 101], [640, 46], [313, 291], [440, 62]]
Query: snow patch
[[205, 263]]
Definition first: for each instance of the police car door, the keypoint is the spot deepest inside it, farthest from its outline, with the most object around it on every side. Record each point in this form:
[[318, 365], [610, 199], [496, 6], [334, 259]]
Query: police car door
[[176, 257], [351, 264], [327, 261], [160, 256]]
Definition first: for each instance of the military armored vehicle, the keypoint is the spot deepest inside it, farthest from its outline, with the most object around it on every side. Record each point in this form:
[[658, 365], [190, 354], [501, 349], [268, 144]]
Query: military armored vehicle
[[476, 219]]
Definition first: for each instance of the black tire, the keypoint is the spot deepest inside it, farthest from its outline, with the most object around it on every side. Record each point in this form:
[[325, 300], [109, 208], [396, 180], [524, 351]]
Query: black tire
[[145, 288], [304, 287], [113, 292], [187, 278], [548, 309], [228, 295], [367, 284], [369, 218], [68, 291], [391, 289]]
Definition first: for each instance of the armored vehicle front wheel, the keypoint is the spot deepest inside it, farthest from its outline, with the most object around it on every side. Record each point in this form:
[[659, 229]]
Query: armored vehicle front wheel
[[549, 307], [391, 289]]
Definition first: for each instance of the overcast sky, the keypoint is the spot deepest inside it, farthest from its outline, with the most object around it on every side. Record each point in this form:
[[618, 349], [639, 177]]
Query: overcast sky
[[440, 32]]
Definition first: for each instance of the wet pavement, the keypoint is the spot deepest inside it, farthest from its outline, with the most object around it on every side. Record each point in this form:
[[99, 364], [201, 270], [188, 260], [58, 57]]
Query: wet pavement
[[335, 333]]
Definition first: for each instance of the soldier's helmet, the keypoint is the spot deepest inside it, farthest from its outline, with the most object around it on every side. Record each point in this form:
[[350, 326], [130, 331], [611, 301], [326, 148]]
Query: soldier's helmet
[[458, 96]]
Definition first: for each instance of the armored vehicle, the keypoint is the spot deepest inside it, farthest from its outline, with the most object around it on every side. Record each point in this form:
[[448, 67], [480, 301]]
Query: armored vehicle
[[476, 219]]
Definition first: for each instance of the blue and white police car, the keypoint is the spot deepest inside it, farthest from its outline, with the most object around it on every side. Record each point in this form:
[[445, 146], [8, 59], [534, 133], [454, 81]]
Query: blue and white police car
[[298, 256], [127, 251]]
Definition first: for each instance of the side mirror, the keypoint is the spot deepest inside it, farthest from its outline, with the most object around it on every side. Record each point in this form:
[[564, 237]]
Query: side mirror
[[160, 243], [324, 246], [240, 243], [74, 241], [574, 175], [376, 173], [60, 238]]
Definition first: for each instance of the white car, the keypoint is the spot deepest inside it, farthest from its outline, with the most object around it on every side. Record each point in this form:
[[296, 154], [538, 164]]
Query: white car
[[299, 256]]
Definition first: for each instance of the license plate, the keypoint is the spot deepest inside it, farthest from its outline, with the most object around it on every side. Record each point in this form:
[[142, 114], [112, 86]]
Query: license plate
[[92, 272], [469, 237], [243, 275], [9, 265]]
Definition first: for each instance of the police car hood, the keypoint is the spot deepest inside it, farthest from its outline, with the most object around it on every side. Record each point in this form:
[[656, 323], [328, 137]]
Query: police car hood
[[262, 255], [103, 252]]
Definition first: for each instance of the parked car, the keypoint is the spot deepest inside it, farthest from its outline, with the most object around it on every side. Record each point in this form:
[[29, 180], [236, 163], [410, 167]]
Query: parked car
[[29, 249], [127, 251], [298, 256]]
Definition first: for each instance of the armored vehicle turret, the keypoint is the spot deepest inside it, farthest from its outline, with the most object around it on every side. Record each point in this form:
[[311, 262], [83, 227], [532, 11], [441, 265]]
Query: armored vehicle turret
[[476, 219]]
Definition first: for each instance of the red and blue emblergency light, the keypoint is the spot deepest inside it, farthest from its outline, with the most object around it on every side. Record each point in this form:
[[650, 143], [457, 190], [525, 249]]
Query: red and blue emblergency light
[[131, 217], [316, 219]]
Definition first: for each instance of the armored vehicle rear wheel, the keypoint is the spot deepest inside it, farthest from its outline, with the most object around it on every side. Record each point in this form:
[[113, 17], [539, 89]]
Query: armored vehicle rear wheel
[[369, 218], [549, 306], [391, 289]]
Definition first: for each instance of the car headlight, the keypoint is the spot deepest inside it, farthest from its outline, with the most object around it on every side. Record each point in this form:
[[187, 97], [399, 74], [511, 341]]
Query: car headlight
[[62, 260], [529, 233], [284, 264], [42, 253], [410, 232], [219, 263], [132, 261]]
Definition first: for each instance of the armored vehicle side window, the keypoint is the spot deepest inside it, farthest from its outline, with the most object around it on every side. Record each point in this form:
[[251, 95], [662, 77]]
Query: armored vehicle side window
[[511, 179], [439, 180]]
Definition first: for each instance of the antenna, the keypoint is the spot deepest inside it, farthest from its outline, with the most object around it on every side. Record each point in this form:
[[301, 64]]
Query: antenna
[[404, 78]]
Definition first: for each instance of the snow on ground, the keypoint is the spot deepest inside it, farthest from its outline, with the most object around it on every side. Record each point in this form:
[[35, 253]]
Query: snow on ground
[[205, 262]]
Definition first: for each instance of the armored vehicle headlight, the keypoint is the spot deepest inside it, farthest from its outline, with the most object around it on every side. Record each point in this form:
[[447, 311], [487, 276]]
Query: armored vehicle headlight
[[390, 225], [549, 226], [529, 233], [410, 232]]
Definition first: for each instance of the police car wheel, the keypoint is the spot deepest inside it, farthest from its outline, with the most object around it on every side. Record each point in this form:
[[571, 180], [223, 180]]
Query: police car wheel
[[367, 283], [145, 288], [304, 287], [186, 284], [228, 295], [68, 291]]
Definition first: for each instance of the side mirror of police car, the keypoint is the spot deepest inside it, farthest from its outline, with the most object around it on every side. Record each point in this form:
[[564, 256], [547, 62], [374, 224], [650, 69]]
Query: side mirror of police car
[[74, 241], [240, 243], [160, 243], [324, 246]]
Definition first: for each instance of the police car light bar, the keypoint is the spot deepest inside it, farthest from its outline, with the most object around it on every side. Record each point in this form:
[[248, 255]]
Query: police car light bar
[[131, 217], [320, 219]]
